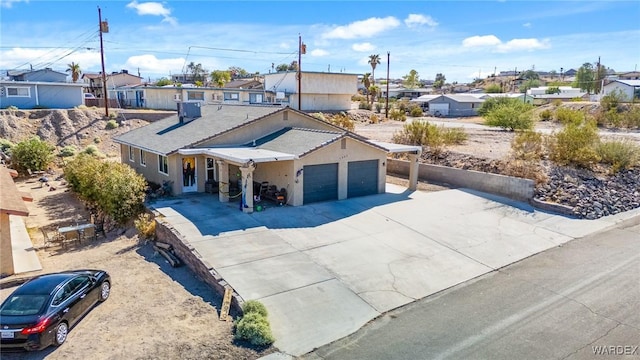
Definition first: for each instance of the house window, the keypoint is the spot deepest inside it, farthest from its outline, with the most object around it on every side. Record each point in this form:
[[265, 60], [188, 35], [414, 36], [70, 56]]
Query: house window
[[211, 169], [131, 154], [18, 92], [231, 96], [163, 165], [143, 158], [195, 95]]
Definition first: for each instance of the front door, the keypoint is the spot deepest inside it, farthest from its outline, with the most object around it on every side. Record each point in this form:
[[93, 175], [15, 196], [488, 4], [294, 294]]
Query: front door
[[189, 177]]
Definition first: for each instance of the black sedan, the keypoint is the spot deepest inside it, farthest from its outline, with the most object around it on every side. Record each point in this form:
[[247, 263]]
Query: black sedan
[[41, 311]]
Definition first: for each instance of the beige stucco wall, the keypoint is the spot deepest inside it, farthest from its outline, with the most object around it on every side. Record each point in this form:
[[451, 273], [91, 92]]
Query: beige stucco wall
[[278, 173]]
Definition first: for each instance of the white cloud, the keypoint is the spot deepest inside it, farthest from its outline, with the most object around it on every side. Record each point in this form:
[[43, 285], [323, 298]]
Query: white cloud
[[527, 25], [151, 64], [284, 45], [7, 4], [154, 9], [486, 40], [363, 47], [523, 44], [414, 20], [362, 29], [319, 52]]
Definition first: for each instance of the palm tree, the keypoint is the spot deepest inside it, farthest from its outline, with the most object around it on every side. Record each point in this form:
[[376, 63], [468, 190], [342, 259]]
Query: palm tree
[[374, 60], [366, 81], [75, 71]]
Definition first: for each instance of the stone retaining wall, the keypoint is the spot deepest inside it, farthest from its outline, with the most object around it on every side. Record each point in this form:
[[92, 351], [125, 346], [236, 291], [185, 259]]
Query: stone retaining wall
[[507, 186], [189, 256]]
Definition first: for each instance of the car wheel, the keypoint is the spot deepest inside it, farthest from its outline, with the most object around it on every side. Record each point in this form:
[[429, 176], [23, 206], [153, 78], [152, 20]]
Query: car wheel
[[61, 333], [105, 290]]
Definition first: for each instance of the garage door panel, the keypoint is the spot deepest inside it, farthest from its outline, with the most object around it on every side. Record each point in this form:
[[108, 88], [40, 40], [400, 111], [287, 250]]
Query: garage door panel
[[362, 178], [320, 183]]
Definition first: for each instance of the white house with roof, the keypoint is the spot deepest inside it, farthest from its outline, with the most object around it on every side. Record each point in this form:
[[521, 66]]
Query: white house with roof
[[454, 105], [318, 91], [43, 88], [630, 88]]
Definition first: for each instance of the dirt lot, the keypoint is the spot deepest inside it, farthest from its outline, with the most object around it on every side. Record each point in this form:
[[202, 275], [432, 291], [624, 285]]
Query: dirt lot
[[154, 311]]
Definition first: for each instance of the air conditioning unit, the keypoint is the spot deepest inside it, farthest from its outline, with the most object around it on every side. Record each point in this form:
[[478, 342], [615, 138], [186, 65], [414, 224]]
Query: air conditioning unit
[[176, 97]]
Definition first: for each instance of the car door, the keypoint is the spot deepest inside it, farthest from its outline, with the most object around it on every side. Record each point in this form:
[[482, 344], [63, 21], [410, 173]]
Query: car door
[[79, 301]]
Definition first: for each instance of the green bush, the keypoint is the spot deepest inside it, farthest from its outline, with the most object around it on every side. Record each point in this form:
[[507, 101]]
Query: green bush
[[493, 103], [115, 189], [254, 306], [397, 114], [91, 150], [68, 151], [32, 154], [146, 226], [415, 111], [528, 145], [575, 145], [428, 134], [454, 136], [344, 121], [620, 154], [12, 107], [546, 115], [6, 146], [97, 140], [111, 124], [254, 328], [612, 100], [568, 116], [556, 102], [378, 107], [515, 116]]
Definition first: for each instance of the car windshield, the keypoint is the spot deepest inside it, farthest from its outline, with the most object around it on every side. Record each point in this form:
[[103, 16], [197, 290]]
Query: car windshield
[[23, 304]]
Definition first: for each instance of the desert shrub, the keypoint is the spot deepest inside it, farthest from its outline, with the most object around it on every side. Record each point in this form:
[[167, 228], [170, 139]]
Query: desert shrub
[[319, 116], [111, 124], [358, 98], [556, 103], [527, 169], [91, 150], [68, 151], [115, 189], [492, 103], [515, 116], [6, 146], [528, 145], [403, 105], [33, 154], [397, 114], [415, 111], [576, 145], [374, 119], [378, 107], [12, 107], [632, 117], [612, 100], [454, 136], [546, 115], [343, 121], [493, 89], [113, 115], [146, 226], [364, 105], [413, 133], [254, 306], [568, 116], [254, 328], [97, 140], [620, 154]]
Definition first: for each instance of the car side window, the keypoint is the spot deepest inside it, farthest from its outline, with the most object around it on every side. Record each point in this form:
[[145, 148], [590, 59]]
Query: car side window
[[79, 283], [62, 295]]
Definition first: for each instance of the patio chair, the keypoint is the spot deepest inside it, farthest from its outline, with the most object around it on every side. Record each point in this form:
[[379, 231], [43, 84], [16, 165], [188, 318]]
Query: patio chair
[[50, 240], [88, 233]]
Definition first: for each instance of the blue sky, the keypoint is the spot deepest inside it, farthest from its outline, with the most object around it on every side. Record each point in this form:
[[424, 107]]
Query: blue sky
[[461, 39]]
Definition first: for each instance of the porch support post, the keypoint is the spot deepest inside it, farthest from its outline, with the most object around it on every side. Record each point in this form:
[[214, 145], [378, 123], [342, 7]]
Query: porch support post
[[247, 186], [413, 171], [223, 193]]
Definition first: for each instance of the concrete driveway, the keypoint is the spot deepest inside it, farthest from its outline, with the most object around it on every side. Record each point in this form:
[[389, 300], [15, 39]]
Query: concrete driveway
[[326, 269]]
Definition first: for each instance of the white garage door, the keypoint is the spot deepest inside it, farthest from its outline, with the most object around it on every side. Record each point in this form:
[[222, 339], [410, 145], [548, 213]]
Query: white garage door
[[439, 109]]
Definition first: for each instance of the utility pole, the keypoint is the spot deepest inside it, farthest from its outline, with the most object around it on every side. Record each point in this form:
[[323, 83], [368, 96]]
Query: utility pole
[[386, 107], [104, 27], [302, 49]]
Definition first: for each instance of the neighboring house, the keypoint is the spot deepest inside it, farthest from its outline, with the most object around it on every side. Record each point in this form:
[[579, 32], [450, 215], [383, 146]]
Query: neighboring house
[[114, 80], [240, 148], [42, 75], [39, 89], [320, 91], [454, 105], [520, 96], [632, 75], [630, 88], [567, 93], [400, 92], [252, 83]]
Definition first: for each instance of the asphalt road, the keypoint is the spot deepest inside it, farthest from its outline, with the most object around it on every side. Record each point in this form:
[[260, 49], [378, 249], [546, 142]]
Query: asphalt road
[[578, 301]]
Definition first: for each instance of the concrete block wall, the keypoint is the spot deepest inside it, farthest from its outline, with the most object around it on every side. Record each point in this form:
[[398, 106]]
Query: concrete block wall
[[190, 257], [507, 186]]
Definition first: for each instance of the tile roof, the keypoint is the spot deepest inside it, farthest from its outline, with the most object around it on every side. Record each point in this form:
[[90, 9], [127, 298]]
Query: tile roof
[[168, 135]]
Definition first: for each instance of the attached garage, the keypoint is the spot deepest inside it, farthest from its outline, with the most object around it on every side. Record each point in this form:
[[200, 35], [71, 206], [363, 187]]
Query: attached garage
[[439, 109], [320, 183], [362, 178]]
